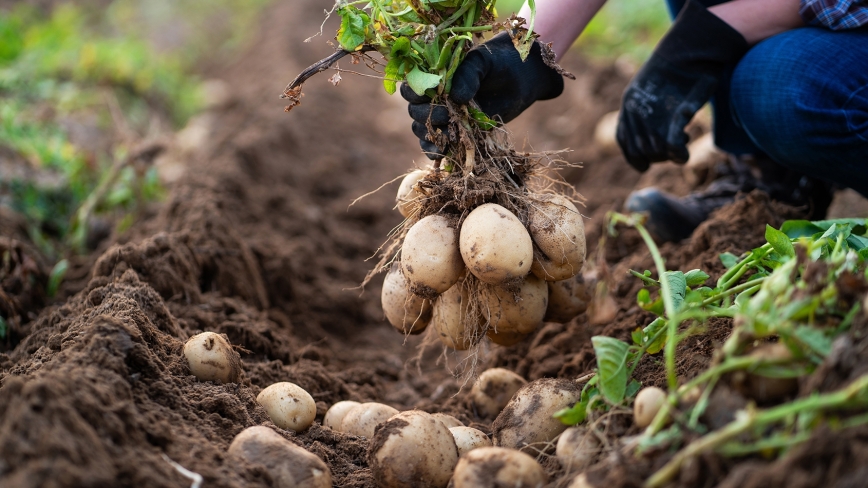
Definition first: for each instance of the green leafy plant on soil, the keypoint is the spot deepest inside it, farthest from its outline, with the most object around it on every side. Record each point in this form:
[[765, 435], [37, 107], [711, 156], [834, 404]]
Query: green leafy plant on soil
[[790, 300]]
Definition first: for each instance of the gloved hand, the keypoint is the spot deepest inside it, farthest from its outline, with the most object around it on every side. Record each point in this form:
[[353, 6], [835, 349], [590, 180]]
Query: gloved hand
[[674, 84], [493, 75]]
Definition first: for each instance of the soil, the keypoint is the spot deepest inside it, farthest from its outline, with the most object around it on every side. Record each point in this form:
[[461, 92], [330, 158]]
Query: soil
[[258, 240]]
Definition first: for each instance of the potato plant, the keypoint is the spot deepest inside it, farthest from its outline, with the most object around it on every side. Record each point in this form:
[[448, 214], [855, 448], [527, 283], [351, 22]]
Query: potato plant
[[792, 301], [484, 229]]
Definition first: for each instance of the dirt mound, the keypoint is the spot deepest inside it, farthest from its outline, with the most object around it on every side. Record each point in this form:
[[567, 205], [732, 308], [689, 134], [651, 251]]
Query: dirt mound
[[258, 241]]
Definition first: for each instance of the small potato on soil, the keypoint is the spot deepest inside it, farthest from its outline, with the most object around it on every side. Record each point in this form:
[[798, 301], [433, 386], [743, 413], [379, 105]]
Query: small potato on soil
[[336, 413], [448, 420], [521, 312], [407, 195], [567, 299], [765, 389], [557, 228], [497, 467], [412, 449], [288, 405], [430, 257], [211, 358], [495, 245], [408, 313], [289, 465], [505, 339], [493, 390], [527, 422], [648, 402], [450, 318], [468, 438], [362, 420], [576, 449]]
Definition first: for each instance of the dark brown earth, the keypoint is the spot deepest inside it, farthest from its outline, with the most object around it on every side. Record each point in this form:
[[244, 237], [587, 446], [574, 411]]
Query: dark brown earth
[[258, 241]]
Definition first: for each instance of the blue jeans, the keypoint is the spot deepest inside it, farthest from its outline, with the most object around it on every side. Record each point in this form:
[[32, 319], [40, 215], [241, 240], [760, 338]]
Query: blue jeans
[[801, 98]]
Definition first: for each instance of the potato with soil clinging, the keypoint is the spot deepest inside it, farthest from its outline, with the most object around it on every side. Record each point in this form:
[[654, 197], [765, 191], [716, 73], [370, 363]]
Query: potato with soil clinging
[[567, 299], [450, 319], [527, 420], [288, 405], [408, 313], [495, 245], [648, 402], [505, 339], [362, 420], [468, 438], [497, 467], [211, 358], [430, 257], [336, 413], [557, 228], [414, 450], [289, 465], [576, 449], [493, 390], [520, 312], [407, 194]]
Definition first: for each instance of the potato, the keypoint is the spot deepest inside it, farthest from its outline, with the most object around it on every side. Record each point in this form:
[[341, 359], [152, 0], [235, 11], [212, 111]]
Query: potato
[[557, 228], [495, 245], [336, 413], [408, 313], [468, 438], [430, 257], [362, 420], [580, 481], [520, 312], [412, 449], [211, 358], [448, 420], [505, 339], [493, 390], [648, 402], [451, 321], [576, 449], [527, 420], [766, 389], [496, 467], [567, 299], [407, 194], [288, 405], [289, 465]]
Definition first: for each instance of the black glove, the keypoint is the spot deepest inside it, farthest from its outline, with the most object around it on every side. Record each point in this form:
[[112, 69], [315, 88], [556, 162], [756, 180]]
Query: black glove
[[493, 75], [674, 84]]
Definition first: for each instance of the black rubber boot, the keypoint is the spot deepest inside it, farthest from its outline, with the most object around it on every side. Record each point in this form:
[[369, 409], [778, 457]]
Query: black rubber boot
[[671, 218]]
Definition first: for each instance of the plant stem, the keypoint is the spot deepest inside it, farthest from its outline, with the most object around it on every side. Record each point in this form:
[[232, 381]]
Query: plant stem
[[742, 287]]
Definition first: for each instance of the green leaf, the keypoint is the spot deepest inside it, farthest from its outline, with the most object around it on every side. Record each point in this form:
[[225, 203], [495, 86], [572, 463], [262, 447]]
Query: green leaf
[[612, 365], [695, 277], [351, 34], [56, 276], [650, 331], [420, 81], [814, 339], [401, 47], [392, 75], [728, 259], [572, 415], [3, 327], [780, 242], [677, 286], [638, 336], [481, 119], [645, 277], [800, 228], [633, 388]]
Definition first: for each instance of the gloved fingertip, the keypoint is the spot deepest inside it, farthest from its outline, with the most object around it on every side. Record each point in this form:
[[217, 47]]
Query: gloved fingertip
[[679, 155], [431, 150], [468, 78], [408, 94]]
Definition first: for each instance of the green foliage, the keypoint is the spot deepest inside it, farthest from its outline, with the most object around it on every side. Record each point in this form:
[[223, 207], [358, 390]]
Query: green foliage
[[612, 367]]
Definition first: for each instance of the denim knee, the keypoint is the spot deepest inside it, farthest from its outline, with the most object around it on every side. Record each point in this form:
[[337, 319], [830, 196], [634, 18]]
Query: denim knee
[[802, 97]]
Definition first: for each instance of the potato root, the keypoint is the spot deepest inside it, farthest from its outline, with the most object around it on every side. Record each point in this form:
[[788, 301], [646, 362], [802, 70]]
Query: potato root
[[412, 449], [520, 312], [288, 405], [211, 358], [497, 467], [557, 229], [495, 245], [407, 312], [430, 257], [362, 420], [289, 465], [527, 422]]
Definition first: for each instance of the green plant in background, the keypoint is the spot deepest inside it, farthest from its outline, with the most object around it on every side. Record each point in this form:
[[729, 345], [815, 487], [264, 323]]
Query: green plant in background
[[790, 300], [81, 88]]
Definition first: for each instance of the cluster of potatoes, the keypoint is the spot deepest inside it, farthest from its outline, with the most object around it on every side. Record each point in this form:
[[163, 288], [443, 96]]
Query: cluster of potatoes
[[525, 275], [411, 448]]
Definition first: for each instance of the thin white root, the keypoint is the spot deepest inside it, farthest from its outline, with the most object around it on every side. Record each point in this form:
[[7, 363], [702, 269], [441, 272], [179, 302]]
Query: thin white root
[[195, 477]]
